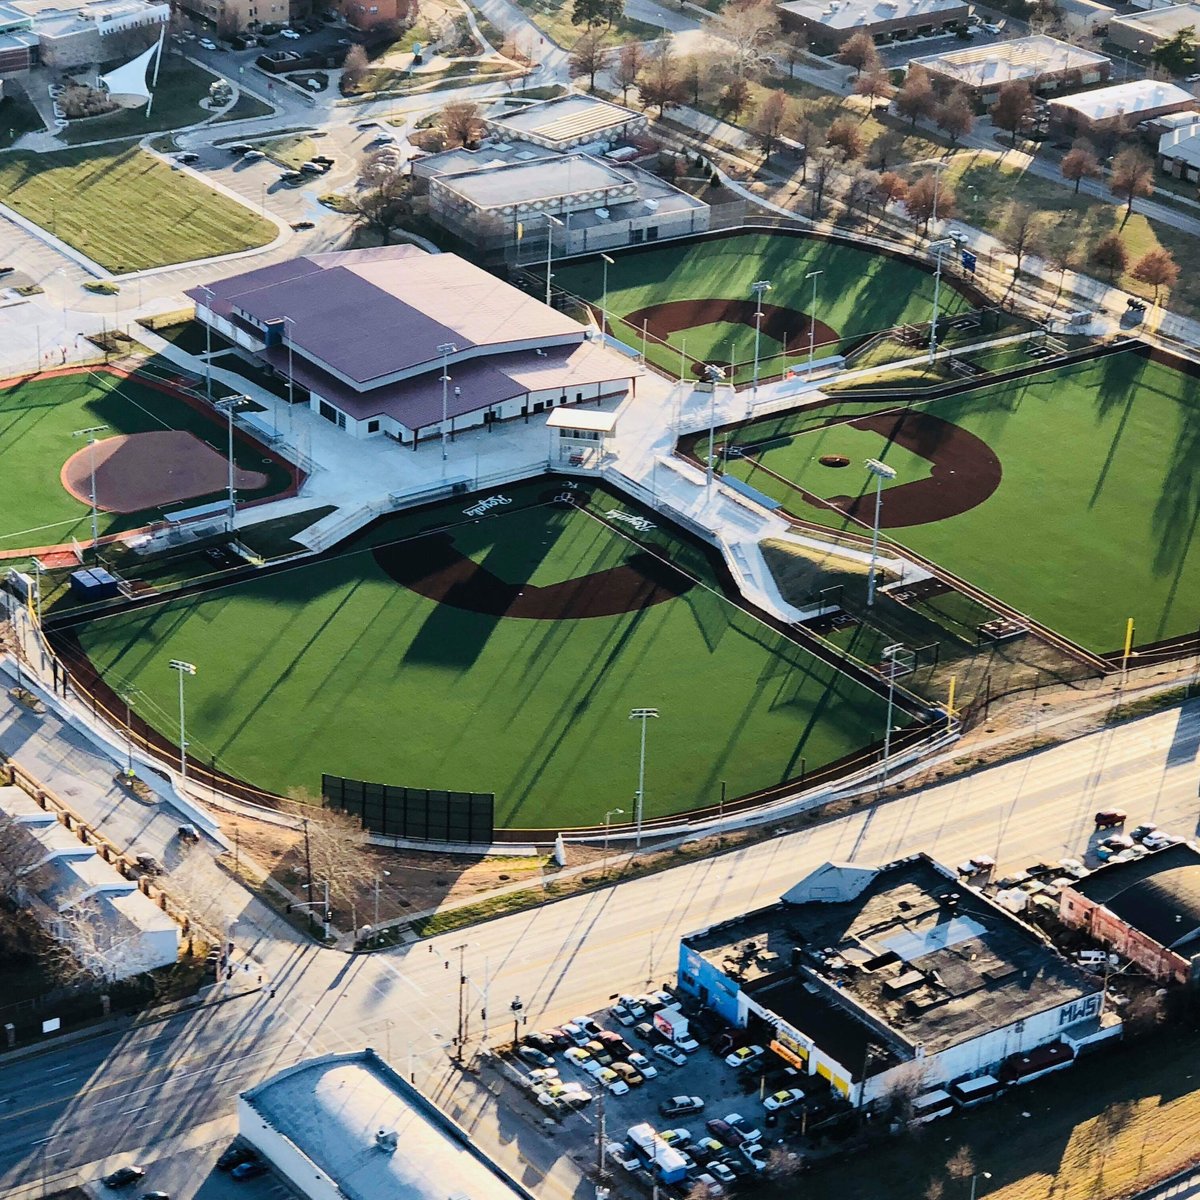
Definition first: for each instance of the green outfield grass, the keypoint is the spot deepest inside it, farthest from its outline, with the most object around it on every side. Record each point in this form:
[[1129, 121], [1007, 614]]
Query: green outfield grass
[[126, 209], [858, 293], [39, 417], [333, 667], [1095, 517]]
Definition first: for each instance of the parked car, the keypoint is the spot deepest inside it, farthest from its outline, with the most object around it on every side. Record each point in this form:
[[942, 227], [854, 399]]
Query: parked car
[[188, 832], [557, 1036], [124, 1176], [641, 1063], [1140, 833], [588, 1026], [147, 864], [618, 1154], [687, 1043], [540, 1041], [746, 1128], [234, 1157], [617, 1046], [634, 1003], [706, 1148], [611, 1080], [577, 1056], [239, 148], [1160, 841], [592, 1067], [711, 1186], [739, 1058], [207, 44], [600, 1052], [645, 1031], [721, 1172], [621, 1015], [783, 1099], [253, 156], [156, 1196], [541, 1076], [1073, 867], [671, 1054], [1109, 818], [679, 1138], [681, 1106], [631, 1075], [249, 1170], [187, 156], [1135, 305], [290, 34], [1118, 841], [722, 1131], [312, 168], [534, 1056], [755, 1156], [578, 1035]]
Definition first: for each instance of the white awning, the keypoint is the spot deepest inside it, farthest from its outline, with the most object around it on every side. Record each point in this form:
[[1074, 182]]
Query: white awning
[[129, 81], [590, 420]]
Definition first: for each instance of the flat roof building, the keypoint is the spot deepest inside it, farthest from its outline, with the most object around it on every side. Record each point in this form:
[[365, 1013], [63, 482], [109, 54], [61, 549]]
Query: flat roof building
[[1147, 909], [1144, 32], [348, 1127], [1045, 63], [829, 23], [70, 33], [365, 334], [568, 123], [862, 975], [1123, 103], [1179, 152]]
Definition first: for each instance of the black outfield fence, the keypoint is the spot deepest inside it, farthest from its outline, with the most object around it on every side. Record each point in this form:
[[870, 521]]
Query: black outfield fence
[[407, 812]]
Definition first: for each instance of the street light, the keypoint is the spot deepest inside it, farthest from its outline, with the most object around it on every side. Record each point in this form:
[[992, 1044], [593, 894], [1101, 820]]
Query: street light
[[184, 668], [977, 1176], [612, 812], [515, 1006], [549, 249], [383, 874], [758, 288], [608, 262], [939, 246], [643, 715], [229, 406], [445, 350], [90, 434], [208, 295], [881, 471], [812, 321]]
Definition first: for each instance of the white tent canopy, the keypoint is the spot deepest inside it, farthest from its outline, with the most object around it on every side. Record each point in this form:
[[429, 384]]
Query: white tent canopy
[[129, 85]]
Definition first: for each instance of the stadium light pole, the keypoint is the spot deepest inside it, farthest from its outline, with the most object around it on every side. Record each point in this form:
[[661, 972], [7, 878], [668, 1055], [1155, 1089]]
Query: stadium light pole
[[608, 816], [229, 406], [713, 373], [445, 350], [184, 668], [549, 249], [881, 471], [291, 392], [90, 434], [608, 262], [643, 715], [812, 321], [939, 246], [208, 294], [888, 654], [758, 288], [38, 568]]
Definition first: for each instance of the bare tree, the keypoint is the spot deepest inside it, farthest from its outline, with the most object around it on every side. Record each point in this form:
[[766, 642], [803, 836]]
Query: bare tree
[[823, 162], [1132, 176], [630, 61], [382, 207], [1014, 103], [1061, 256], [886, 149], [1110, 253], [378, 166], [1158, 269], [955, 116], [862, 193], [927, 198], [961, 1164], [1080, 163], [793, 46], [693, 72], [891, 187], [337, 847], [872, 83], [734, 98], [846, 137], [461, 123], [858, 51], [916, 98], [354, 69], [587, 57], [1019, 230], [770, 121], [749, 30], [660, 84], [20, 857]]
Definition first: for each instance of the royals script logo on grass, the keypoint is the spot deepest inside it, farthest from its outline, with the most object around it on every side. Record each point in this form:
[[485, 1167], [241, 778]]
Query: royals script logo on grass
[[477, 510], [639, 523]]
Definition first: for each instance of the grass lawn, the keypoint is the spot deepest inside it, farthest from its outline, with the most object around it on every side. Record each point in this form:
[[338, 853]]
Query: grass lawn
[[858, 292], [17, 115], [126, 209], [39, 417], [245, 107], [1100, 490], [181, 87], [553, 18], [338, 668], [290, 151], [986, 185]]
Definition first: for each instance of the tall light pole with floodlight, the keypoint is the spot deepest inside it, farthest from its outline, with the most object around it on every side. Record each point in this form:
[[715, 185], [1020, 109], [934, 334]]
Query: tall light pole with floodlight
[[881, 471], [90, 434], [812, 321], [939, 246], [608, 262], [229, 405], [550, 222], [888, 654], [758, 288], [184, 668], [712, 373], [445, 350], [643, 715]]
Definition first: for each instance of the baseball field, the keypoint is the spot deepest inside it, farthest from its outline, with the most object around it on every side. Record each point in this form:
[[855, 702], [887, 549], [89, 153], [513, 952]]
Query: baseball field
[[1072, 494], [154, 450], [499, 649], [696, 299]]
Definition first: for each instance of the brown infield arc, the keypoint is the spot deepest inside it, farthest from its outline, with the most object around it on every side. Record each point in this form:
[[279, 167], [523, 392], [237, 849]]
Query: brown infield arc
[[965, 472], [434, 568]]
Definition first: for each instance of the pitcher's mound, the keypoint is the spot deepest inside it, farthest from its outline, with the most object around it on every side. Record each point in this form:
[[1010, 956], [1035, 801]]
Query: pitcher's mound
[[148, 470]]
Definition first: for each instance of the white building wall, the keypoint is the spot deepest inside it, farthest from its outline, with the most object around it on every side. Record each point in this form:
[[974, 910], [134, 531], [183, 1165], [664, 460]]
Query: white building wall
[[297, 1168]]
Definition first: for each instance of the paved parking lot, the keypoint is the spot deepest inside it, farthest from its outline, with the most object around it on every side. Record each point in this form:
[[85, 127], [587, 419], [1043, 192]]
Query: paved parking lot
[[724, 1090]]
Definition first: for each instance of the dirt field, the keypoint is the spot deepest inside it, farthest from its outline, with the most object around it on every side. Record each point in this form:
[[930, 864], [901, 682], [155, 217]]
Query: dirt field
[[147, 470]]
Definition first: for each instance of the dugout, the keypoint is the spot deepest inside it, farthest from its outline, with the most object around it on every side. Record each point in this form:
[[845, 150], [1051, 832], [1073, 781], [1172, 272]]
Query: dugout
[[577, 438], [94, 584]]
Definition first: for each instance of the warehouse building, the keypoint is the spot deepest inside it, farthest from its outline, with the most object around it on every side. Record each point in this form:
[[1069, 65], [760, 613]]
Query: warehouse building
[[1123, 105], [569, 122], [348, 1127], [72, 33], [1143, 32], [1147, 910], [367, 334], [866, 976], [829, 23], [1044, 63]]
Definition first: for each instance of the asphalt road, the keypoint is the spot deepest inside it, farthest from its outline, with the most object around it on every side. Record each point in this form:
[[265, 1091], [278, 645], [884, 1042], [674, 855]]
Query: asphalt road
[[168, 1090]]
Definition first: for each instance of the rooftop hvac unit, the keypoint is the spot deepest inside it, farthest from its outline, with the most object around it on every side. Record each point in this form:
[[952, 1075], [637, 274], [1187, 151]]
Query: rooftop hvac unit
[[385, 1140], [603, 214], [652, 205]]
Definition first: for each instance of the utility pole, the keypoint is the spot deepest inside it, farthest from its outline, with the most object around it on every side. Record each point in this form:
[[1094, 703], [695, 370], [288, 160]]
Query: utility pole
[[462, 984], [600, 1132], [307, 859]]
